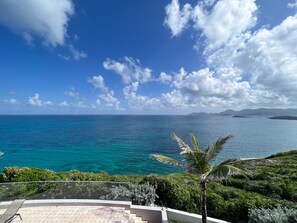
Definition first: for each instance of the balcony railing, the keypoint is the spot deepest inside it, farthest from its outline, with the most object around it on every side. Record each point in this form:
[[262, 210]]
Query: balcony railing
[[60, 190]]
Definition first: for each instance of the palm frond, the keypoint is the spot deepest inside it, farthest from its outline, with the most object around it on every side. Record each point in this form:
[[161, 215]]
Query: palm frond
[[221, 171], [167, 160], [195, 142], [217, 147], [184, 146], [207, 149], [197, 162]]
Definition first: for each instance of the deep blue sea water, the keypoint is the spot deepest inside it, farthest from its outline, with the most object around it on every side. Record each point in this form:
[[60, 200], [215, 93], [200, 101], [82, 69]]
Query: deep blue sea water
[[123, 144]]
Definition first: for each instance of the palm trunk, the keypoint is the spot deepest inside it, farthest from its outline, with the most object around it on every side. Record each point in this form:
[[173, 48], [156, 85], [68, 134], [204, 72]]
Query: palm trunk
[[203, 201]]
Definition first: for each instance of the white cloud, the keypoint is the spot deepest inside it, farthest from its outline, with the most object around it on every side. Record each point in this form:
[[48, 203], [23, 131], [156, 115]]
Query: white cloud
[[267, 59], [35, 100], [271, 59], [48, 103], [10, 101], [195, 87], [109, 99], [107, 95], [98, 82], [76, 106], [292, 4], [164, 78], [226, 19], [244, 68], [73, 94], [177, 19], [81, 104], [98, 102], [64, 104], [139, 102], [129, 69], [76, 54], [175, 99], [218, 21], [47, 19]]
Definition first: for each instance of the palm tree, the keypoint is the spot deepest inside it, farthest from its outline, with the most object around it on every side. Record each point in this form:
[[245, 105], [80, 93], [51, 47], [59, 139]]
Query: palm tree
[[199, 162]]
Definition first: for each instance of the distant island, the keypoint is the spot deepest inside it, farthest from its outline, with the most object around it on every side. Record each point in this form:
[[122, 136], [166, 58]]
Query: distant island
[[287, 117], [263, 112], [239, 116]]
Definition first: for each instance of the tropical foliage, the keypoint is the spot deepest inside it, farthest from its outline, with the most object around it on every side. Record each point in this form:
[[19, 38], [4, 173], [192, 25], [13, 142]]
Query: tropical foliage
[[139, 194], [275, 215], [199, 162], [271, 182]]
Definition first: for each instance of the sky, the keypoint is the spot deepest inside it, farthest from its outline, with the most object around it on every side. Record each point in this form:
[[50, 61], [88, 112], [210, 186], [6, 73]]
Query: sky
[[146, 57]]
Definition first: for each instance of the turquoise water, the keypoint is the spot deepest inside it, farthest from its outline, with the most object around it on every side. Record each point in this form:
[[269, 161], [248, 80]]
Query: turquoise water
[[123, 144]]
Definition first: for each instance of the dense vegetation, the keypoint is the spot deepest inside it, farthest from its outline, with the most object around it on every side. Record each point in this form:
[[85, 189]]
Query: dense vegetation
[[270, 183], [285, 117]]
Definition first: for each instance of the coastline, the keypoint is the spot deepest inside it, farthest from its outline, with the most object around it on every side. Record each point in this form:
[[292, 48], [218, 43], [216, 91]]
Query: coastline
[[269, 182]]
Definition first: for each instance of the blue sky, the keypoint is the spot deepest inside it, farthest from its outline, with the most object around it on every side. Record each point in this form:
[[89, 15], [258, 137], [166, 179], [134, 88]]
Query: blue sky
[[146, 57]]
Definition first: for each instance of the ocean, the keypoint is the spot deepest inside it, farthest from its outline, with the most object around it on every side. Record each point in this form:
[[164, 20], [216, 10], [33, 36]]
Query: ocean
[[123, 144]]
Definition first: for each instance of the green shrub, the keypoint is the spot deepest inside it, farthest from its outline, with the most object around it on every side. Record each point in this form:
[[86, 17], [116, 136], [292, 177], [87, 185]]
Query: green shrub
[[141, 194], [275, 215], [270, 182], [17, 174], [76, 175], [174, 194]]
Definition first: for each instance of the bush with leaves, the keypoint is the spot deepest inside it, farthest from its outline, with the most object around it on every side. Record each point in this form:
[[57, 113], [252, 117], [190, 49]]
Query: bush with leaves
[[275, 215], [140, 194]]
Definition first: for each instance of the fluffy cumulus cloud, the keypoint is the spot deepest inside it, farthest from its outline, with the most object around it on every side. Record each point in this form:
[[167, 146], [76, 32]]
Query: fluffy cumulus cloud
[[266, 58], [98, 82], [271, 59], [218, 21], [227, 19], [204, 83], [175, 99], [202, 88], [35, 100], [164, 78], [176, 18], [245, 67], [106, 95], [109, 99], [139, 102], [129, 69], [47, 19]]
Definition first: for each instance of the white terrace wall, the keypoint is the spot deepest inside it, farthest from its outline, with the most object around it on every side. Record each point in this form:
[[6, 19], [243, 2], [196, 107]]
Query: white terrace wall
[[186, 217]]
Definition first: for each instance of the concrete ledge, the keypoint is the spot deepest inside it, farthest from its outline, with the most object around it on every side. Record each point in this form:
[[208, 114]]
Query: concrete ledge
[[186, 217]]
